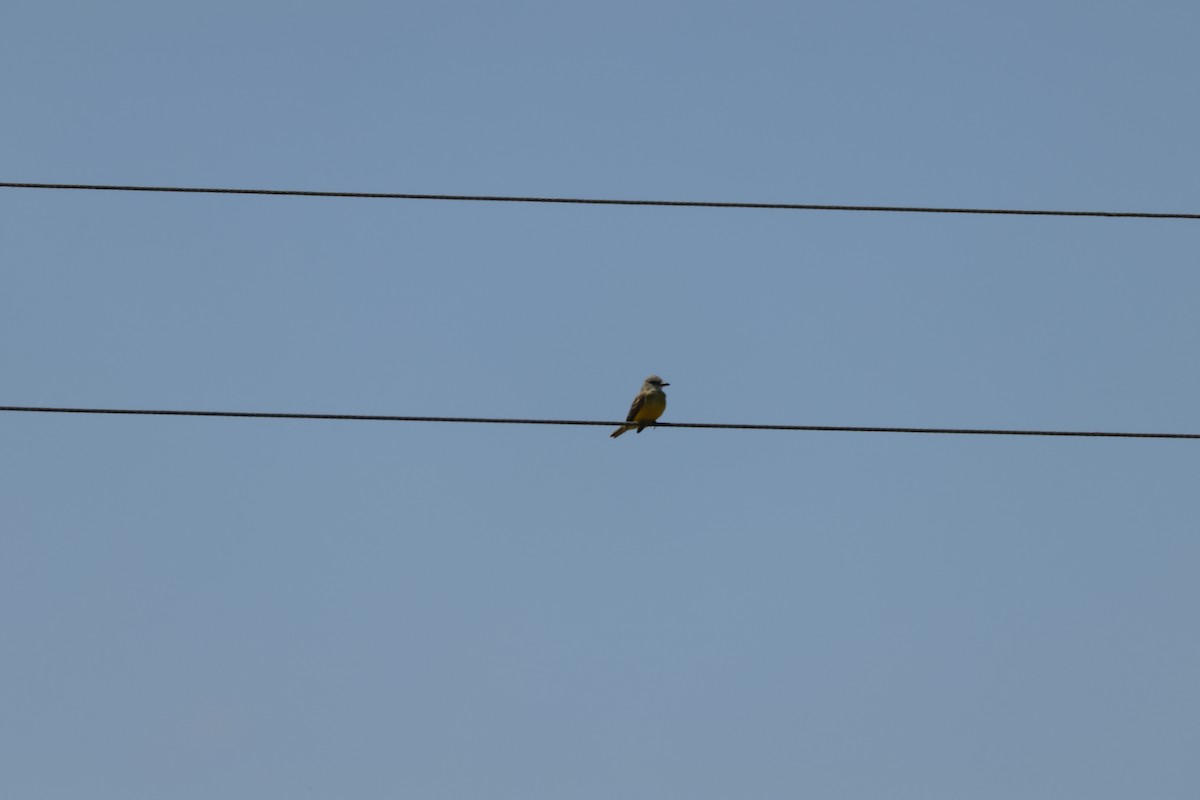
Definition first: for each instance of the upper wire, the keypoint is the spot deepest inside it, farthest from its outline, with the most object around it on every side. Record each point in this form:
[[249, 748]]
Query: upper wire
[[607, 201], [602, 423]]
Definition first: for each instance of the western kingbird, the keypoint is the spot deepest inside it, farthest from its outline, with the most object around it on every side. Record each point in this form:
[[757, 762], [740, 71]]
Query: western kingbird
[[648, 406]]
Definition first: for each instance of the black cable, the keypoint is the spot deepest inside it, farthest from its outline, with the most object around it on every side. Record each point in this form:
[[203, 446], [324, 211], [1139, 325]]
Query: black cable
[[612, 424], [605, 202]]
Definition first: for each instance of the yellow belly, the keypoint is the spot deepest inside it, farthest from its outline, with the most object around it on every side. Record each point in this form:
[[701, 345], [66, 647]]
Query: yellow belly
[[652, 408]]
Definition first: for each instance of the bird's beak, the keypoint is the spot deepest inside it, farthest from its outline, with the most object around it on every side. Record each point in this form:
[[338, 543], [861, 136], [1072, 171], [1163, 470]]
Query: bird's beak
[[666, 384]]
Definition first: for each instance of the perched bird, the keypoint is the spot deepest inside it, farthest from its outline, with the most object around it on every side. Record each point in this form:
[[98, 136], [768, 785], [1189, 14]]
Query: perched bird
[[648, 406]]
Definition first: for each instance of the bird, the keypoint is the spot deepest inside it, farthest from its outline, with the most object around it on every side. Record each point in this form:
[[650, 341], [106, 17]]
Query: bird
[[648, 406]]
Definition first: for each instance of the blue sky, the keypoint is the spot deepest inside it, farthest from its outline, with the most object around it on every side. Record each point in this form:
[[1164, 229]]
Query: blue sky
[[198, 608]]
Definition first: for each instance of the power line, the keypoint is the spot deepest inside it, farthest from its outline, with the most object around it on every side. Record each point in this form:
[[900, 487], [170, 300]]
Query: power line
[[604, 202], [599, 423]]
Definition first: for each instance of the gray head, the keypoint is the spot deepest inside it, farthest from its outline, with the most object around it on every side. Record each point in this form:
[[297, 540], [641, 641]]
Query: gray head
[[656, 382]]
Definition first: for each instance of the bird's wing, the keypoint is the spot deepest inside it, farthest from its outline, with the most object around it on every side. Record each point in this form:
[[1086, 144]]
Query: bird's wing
[[636, 407]]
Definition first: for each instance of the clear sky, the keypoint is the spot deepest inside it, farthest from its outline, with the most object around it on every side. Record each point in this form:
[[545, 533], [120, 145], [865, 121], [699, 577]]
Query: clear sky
[[200, 608]]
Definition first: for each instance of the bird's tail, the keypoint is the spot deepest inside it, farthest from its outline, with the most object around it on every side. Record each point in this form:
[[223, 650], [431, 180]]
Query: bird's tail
[[618, 431]]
